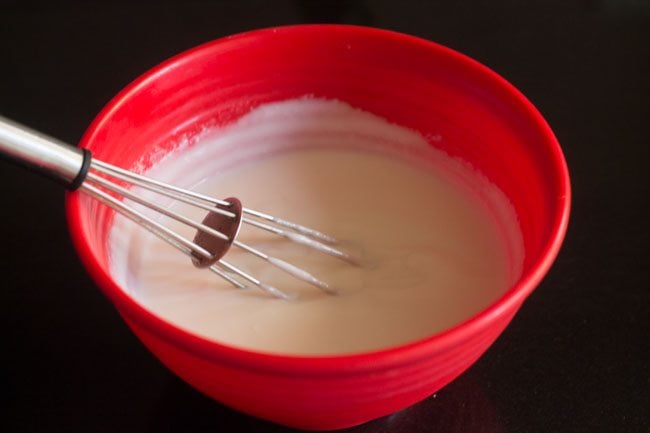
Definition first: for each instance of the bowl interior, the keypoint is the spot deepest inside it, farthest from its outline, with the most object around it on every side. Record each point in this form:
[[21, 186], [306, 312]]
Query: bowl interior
[[460, 106]]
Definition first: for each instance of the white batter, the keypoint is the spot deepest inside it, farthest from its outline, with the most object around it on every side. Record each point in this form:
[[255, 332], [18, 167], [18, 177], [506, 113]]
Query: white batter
[[437, 241]]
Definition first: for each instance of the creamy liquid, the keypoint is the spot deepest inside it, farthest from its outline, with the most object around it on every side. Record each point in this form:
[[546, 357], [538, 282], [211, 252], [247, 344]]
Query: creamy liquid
[[437, 242]]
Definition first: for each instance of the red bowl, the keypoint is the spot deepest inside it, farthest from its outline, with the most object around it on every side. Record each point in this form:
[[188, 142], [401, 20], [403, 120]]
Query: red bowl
[[408, 81]]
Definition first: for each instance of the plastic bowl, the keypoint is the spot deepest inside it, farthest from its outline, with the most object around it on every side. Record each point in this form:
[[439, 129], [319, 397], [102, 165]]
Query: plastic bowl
[[408, 81]]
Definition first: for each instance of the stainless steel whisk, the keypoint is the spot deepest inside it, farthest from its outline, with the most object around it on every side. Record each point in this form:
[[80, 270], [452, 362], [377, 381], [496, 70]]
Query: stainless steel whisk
[[77, 169]]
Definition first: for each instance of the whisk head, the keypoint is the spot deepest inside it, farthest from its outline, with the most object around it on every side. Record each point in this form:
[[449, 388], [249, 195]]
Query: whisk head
[[216, 233]]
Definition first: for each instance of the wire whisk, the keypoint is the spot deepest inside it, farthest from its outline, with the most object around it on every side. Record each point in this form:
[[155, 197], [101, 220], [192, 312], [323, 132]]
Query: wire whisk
[[215, 234]]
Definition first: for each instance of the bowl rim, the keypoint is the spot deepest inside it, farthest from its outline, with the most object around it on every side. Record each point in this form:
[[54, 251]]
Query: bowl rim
[[345, 364]]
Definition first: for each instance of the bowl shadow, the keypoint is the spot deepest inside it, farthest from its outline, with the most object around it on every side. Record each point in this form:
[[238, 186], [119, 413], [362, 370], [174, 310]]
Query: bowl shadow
[[462, 406]]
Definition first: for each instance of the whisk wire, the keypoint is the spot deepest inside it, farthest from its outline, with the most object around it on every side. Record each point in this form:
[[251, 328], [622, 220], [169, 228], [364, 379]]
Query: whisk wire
[[221, 268], [162, 188], [171, 214], [170, 236], [179, 242]]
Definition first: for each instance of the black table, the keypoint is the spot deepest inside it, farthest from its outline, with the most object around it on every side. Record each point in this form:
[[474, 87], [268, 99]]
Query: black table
[[575, 358]]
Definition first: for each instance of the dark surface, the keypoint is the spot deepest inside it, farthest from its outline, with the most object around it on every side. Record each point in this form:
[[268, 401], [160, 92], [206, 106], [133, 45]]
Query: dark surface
[[575, 358]]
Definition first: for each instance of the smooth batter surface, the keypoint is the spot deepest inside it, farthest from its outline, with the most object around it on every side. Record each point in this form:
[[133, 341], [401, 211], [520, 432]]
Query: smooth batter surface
[[438, 243]]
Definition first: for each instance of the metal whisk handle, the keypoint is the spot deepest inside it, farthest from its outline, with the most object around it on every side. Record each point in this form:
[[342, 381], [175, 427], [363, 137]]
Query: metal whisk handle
[[46, 155]]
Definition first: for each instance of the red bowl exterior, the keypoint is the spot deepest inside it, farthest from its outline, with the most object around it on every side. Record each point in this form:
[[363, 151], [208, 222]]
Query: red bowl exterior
[[408, 81]]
